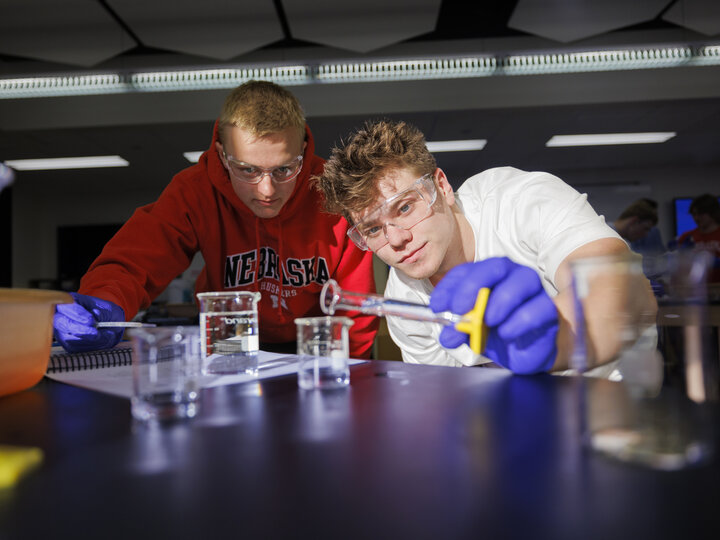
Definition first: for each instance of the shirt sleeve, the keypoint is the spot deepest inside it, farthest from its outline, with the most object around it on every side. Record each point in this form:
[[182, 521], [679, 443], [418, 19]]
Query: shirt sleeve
[[151, 249], [539, 218], [565, 221]]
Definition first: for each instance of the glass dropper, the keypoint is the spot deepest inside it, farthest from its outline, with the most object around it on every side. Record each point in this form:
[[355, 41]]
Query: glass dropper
[[333, 298]]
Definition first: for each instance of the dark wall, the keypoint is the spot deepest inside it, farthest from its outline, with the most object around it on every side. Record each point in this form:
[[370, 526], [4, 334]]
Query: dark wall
[[6, 238]]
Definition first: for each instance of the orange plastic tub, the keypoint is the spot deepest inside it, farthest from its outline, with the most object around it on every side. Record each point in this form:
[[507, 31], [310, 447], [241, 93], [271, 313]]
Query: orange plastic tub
[[26, 326]]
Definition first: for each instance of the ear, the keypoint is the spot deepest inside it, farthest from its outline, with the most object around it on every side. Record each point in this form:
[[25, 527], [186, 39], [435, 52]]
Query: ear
[[219, 149], [444, 186]]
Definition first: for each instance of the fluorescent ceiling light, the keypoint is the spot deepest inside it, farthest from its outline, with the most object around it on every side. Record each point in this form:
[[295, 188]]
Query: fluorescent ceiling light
[[456, 146], [409, 70], [610, 138], [371, 70], [66, 163], [192, 157]]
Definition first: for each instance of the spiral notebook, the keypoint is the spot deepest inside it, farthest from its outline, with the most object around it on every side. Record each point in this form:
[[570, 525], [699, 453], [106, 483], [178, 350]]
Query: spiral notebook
[[110, 371], [61, 361]]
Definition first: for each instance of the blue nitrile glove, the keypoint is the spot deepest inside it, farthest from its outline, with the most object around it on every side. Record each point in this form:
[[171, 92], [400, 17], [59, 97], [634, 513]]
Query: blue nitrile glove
[[74, 324], [521, 318]]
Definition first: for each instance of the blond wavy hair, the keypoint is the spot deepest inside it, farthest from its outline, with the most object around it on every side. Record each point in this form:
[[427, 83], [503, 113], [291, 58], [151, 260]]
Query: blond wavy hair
[[349, 181], [262, 108]]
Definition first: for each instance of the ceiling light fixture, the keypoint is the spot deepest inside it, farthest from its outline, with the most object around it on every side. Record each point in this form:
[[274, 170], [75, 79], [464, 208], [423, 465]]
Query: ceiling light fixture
[[208, 79], [456, 146], [597, 139], [66, 163], [415, 69], [599, 60], [448, 67]]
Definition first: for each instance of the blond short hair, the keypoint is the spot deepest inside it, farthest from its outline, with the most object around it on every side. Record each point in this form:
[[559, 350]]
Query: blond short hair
[[349, 181], [262, 108]]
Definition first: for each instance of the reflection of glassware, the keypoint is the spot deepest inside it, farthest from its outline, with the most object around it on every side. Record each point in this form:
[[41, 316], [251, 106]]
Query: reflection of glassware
[[652, 417], [324, 416], [229, 324], [323, 347], [158, 449]]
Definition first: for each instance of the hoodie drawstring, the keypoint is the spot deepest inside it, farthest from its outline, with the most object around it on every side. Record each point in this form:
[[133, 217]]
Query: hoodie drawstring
[[280, 259], [280, 270], [257, 254]]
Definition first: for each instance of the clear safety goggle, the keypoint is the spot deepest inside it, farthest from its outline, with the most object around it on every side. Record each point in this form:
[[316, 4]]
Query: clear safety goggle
[[403, 210], [252, 174]]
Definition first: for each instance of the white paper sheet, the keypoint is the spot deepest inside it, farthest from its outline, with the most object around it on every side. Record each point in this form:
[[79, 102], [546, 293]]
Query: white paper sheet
[[118, 380]]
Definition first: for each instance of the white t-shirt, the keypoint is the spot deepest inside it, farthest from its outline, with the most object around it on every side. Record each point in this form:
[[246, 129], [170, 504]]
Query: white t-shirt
[[533, 218]]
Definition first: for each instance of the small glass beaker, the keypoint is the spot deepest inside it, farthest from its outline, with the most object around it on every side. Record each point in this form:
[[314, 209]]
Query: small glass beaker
[[229, 324], [649, 412], [166, 369], [323, 345]]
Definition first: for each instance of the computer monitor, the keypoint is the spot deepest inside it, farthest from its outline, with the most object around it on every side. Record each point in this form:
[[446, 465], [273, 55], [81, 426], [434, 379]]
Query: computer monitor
[[683, 219]]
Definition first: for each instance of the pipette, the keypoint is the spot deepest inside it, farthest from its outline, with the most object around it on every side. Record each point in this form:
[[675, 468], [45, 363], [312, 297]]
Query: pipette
[[124, 324], [333, 298]]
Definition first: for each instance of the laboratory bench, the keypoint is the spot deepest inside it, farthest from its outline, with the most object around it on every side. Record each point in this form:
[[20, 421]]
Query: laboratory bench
[[405, 451]]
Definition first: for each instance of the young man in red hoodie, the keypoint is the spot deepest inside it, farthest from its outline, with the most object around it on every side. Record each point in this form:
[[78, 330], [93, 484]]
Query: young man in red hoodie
[[249, 208]]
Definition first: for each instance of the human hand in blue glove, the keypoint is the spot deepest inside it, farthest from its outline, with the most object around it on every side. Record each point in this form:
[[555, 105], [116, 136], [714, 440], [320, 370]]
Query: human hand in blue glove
[[521, 318], [74, 324]]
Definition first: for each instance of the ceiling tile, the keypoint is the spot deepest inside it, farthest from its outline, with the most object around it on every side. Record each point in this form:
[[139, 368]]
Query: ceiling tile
[[216, 29], [75, 32], [571, 20], [699, 15], [360, 26]]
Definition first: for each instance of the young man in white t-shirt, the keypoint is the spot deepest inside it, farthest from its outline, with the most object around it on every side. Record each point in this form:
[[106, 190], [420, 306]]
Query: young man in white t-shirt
[[512, 231]]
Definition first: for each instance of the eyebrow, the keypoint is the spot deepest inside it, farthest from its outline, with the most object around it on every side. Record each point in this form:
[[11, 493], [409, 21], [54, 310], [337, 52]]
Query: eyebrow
[[241, 162]]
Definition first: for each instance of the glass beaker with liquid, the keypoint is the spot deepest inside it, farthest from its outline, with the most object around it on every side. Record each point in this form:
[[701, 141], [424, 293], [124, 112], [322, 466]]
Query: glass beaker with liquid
[[229, 325]]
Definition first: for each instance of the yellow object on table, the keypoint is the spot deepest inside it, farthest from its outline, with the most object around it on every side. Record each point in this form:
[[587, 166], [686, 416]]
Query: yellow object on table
[[16, 461], [473, 323]]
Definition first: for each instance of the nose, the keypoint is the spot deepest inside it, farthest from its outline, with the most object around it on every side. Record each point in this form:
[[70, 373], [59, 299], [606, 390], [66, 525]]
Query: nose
[[266, 186], [396, 236]]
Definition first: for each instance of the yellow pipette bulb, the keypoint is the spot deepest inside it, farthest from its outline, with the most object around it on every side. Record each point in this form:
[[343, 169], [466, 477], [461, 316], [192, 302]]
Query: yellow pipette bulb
[[473, 323]]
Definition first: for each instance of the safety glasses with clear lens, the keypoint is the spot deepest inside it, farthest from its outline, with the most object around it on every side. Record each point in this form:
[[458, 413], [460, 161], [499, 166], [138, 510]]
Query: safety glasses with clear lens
[[403, 211], [252, 174]]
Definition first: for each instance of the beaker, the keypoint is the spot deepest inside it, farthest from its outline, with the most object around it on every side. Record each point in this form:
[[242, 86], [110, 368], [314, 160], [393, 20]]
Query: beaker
[[323, 347], [229, 324]]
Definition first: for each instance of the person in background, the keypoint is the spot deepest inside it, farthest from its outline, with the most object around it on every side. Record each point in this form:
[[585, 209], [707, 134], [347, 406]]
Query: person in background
[[509, 230], [637, 225], [705, 211], [249, 208], [636, 221], [652, 244]]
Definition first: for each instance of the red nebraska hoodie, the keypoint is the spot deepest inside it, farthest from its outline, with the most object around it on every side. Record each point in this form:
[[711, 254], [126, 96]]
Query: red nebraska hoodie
[[286, 258]]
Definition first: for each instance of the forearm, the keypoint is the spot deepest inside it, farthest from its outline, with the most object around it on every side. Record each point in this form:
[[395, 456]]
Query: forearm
[[616, 308], [566, 336]]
